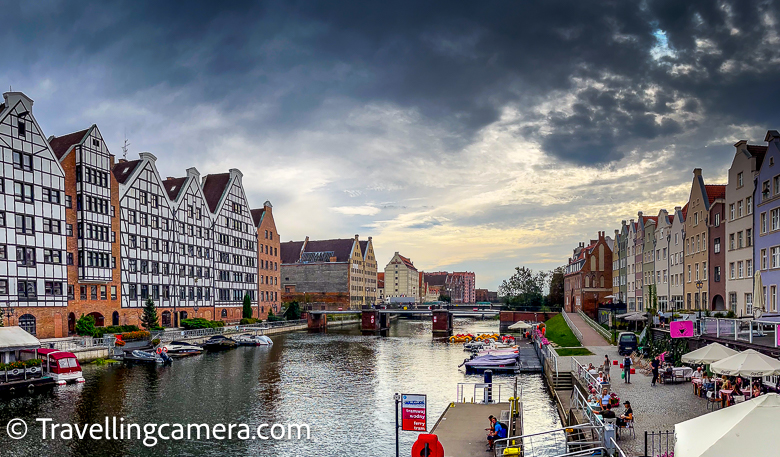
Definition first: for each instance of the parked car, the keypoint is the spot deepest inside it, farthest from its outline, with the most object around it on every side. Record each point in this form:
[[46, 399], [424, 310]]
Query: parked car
[[627, 343]]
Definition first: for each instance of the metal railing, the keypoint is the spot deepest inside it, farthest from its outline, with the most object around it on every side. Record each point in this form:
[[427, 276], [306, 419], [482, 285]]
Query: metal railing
[[81, 344], [573, 327], [617, 451], [544, 351], [488, 391], [595, 326], [751, 331], [170, 335], [554, 442], [581, 371]]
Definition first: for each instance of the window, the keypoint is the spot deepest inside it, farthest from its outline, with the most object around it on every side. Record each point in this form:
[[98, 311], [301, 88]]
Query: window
[[697, 271], [740, 269], [717, 245], [740, 240], [765, 190], [113, 292], [51, 226], [749, 237], [749, 267], [731, 211], [103, 293], [133, 291], [53, 288], [704, 270], [25, 256], [749, 303], [23, 192], [775, 218], [142, 198], [763, 222], [695, 218], [93, 292], [763, 259], [740, 182], [731, 270], [52, 256], [739, 208], [50, 195], [776, 257], [717, 219], [26, 290], [749, 204], [22, 161], [716, 273]]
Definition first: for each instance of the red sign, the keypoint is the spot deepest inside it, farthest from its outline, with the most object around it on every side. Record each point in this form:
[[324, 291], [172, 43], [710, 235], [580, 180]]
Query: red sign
[[681, 329], [413, 413]]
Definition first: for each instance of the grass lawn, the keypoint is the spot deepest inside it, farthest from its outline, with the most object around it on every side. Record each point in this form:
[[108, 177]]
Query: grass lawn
[[559, 332], [563, 352]]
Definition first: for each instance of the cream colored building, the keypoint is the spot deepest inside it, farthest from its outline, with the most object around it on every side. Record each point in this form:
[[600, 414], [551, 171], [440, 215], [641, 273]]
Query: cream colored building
[[401, 278]]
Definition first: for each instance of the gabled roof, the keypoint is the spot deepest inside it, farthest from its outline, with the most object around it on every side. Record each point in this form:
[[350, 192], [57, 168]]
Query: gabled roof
[[60, 145], [257, 216], [290, 252], [364, 248], [173, 187], [123, 170], [715, 191], [407, 262], [341, 248], [213, 188]]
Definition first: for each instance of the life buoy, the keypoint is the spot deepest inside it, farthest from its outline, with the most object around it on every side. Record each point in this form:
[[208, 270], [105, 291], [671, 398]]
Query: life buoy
[[165, 348], [159, 350]]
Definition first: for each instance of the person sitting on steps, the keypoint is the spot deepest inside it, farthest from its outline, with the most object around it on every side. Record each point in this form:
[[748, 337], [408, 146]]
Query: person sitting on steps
[[499, 432]]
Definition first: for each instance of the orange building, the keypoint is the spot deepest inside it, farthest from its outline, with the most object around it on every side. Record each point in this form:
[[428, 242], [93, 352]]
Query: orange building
[[268, 261]]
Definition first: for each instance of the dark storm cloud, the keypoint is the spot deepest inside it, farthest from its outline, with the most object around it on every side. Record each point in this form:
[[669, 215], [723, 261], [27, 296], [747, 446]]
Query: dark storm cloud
[[459, 64]]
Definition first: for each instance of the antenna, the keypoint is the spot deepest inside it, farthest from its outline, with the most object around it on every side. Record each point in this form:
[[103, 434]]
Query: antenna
[[125, 146]]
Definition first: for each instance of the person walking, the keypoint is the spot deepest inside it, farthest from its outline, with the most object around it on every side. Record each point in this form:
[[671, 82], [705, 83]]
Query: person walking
[[627, 369], [655, 364], [607, 364]]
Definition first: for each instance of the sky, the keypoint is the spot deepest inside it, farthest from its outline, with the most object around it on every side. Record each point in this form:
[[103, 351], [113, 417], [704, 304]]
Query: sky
[[475, 136]]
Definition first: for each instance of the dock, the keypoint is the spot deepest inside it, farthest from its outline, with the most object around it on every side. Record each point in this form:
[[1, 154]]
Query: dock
[[461, 429], [527, 359]]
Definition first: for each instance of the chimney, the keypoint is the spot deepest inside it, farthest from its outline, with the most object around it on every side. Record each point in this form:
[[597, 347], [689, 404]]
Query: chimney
[[697, 172], [167, 178], [677, 208], [369, 238], [111, 160], [640, 214], [356, 237], [122, 160]]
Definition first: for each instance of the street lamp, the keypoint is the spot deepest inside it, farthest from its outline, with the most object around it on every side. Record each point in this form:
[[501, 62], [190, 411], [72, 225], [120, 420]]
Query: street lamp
[[8, 313], [699, 285]]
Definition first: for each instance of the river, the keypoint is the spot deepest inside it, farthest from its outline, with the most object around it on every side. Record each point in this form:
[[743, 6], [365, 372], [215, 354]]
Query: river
[[340, 383]]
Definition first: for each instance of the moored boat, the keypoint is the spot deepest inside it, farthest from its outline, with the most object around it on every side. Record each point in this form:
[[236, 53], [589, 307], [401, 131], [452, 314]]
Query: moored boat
[[219, 343], [62, 366], [181, 349]]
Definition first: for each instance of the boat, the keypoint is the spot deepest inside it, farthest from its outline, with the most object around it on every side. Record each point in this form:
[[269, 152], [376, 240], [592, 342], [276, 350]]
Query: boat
[[496, 363], [63, 366], [474, 346], [253, 340], [219, 343], [139, 356], [181, 349]]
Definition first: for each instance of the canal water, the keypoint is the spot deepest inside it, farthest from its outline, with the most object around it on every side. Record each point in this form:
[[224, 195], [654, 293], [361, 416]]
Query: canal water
[[340, 383]]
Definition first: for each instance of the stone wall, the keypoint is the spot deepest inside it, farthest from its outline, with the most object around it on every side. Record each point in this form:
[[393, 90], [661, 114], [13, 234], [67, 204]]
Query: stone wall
[[315, 278]]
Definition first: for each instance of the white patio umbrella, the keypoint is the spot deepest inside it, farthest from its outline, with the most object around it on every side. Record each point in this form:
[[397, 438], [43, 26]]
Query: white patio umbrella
[[520, 326], [749, 363], [743, 429], [708, 354], [759, 300]]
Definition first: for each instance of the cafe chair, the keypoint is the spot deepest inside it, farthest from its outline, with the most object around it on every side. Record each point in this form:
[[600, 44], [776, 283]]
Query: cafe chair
[[712, 400], [629, 428]]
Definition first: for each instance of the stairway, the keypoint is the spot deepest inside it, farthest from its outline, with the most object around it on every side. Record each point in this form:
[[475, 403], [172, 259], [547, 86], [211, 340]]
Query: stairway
[[563, 381]]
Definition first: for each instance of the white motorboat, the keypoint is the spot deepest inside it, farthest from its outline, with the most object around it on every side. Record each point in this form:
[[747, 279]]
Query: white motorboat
[[181, 349]]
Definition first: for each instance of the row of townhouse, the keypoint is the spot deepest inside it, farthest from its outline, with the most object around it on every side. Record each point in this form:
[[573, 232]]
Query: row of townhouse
[[83, 235], [703, 256]]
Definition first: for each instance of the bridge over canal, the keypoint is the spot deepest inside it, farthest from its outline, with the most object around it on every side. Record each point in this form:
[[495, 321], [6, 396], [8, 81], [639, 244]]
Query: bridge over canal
[[377, 321]]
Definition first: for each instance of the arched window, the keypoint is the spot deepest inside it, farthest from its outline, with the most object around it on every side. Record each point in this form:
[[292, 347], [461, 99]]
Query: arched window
[[224, 312], [99, 319], [115, 318], [601, 280], [166, 319], [27, 323], [587, 281], [593, 263]]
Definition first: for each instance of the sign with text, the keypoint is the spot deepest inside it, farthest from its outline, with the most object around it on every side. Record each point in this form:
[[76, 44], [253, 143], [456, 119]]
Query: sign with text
[[413, 413], [681, 329]]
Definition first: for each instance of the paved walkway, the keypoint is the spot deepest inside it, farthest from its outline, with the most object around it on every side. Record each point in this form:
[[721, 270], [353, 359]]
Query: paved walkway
[[655, 408], [590, 337]]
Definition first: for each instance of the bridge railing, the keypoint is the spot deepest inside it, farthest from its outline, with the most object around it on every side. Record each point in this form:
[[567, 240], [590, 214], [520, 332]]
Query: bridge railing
[[595, 326], [81, 344], [581, 371], [573, 327], [170, 335]]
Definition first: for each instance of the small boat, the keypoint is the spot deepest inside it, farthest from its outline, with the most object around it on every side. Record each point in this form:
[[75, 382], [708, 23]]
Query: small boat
[[474, 346], [181, 349], [496, 363], [63, 366], [139, 356], [219, 343], [253, 340]]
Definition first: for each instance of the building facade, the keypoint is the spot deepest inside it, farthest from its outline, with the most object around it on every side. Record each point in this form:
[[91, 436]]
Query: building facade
[[767, 221], [401, 278], [631, 269], [739, 212], [588, 276], [33, 273], [677, 259], [268, 242], [662, 265], [649, 224]]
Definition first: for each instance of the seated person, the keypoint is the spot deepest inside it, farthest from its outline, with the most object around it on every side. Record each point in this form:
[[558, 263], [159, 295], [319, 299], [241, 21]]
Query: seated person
[[628, 415], [697, 374], [738, 386], [591, 369], [497, 433], [593, 398], [756, 389], [727, 385], [600, 378], [604, 397], [607, 412]]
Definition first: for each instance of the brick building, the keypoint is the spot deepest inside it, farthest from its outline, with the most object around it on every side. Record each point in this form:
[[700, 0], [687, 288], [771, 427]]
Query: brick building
[[268, 258], [588, 276], [331, 273], [459, 285]]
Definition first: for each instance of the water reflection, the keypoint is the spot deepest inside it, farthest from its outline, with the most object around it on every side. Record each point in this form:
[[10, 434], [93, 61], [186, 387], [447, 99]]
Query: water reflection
[[341, 383]]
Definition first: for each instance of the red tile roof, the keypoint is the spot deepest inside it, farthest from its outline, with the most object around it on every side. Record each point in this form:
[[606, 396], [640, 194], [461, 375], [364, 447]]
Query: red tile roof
[[173, 186], [60, 145], [213, 188], [290, 252], [407, 262], [715, 191], [685, 211], [123, 170]]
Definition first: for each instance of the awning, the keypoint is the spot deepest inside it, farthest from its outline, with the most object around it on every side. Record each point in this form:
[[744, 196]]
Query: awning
[[15, 339]]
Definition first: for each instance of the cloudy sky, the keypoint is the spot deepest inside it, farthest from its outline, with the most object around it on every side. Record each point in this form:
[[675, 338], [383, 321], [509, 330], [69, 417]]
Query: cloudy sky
[[466, 135]]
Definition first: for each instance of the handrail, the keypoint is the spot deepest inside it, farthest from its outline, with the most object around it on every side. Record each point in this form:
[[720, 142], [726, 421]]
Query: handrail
[[595, 326], [170, 335], [546, 432], [573, 327], [582, 372], [81, 343], [619, 452]]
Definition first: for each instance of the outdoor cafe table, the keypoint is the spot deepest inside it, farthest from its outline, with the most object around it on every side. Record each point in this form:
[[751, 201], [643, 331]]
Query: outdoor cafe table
[[698, 382], [725, 396]]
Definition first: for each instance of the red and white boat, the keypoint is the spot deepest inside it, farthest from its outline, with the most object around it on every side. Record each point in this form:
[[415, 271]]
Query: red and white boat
[[62, 366]]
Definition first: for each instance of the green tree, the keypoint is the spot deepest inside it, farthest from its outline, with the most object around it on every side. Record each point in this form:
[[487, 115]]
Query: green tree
[[2, 317], [247, 311], [555, 298], [85, 326], [524, 288], [445, 298], [293, 311], [149, 319]]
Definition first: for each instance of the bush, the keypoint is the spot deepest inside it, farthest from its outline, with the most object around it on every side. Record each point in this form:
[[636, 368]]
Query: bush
[[731, 315], [136, 335], [199, 322], [249, 321], [155, 342], [718, 314], [85, 326], [114, 329], [20, 364]]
